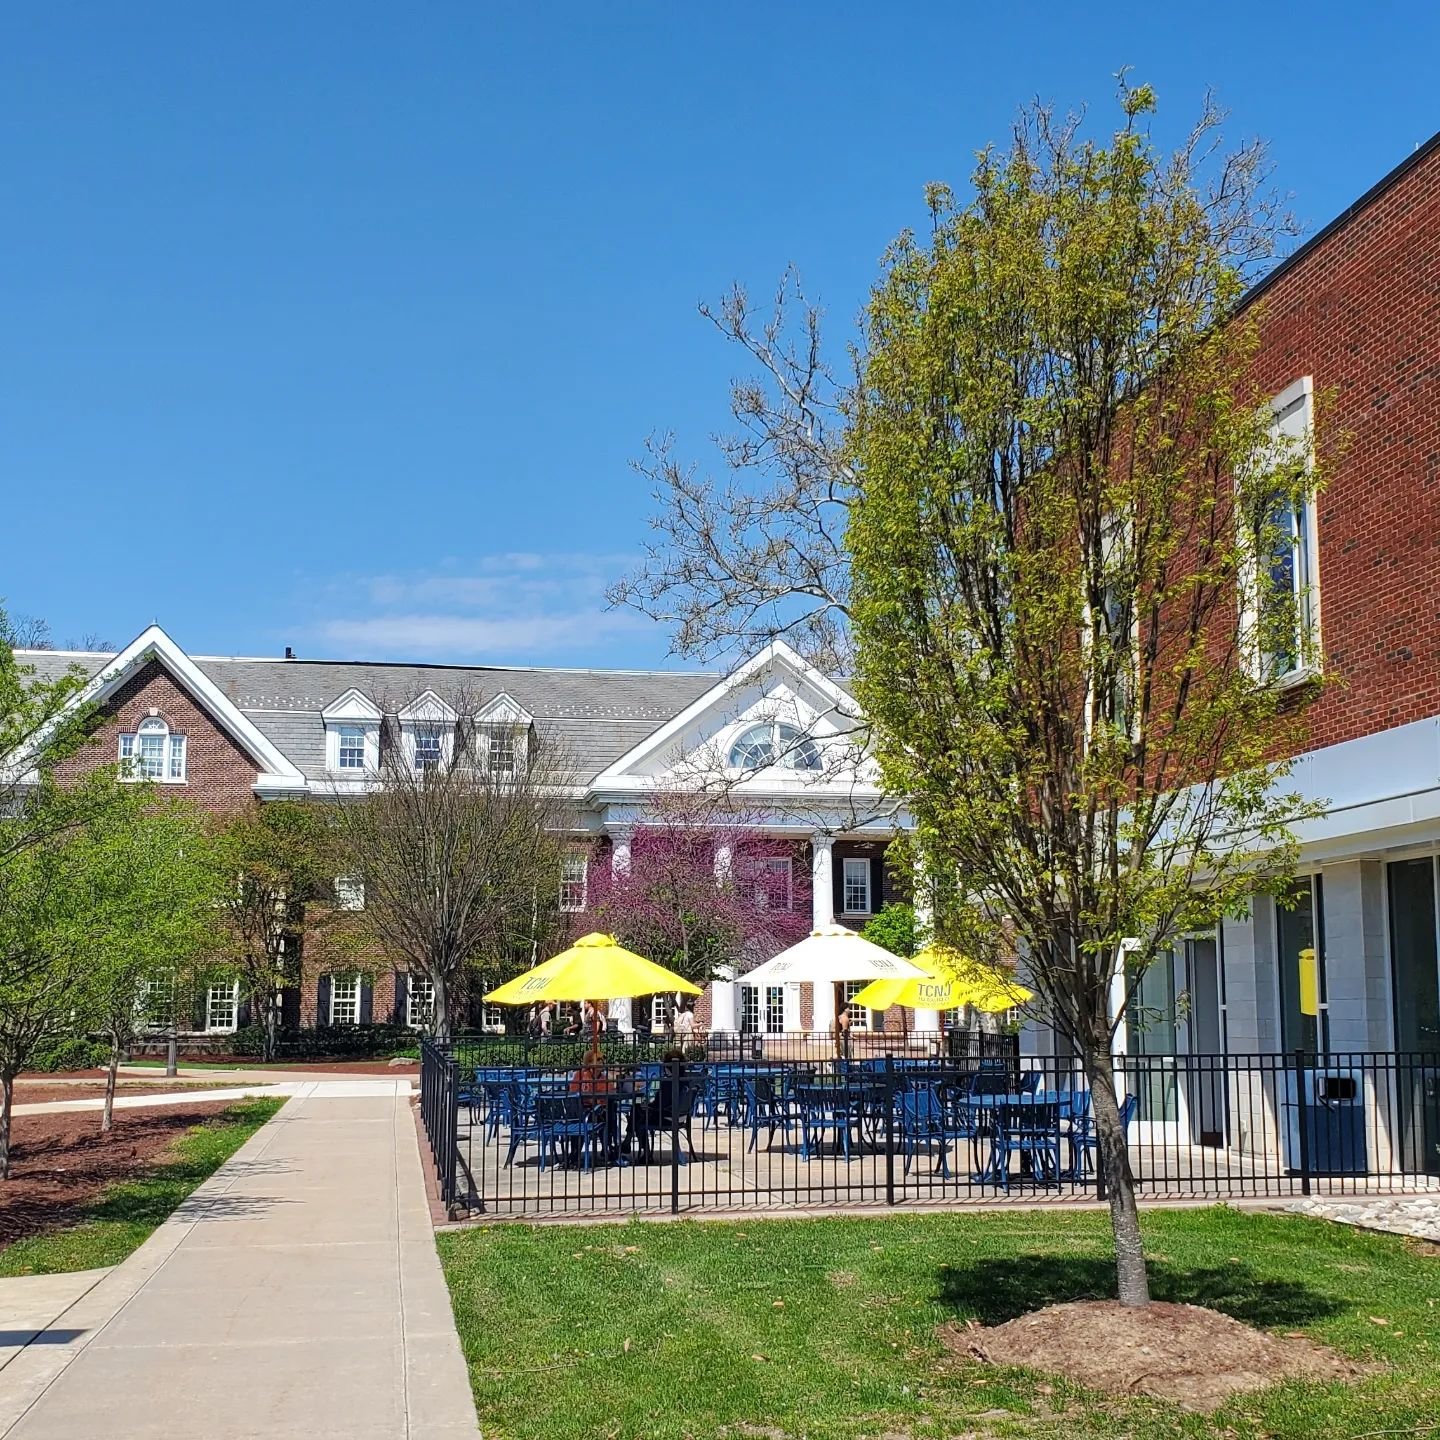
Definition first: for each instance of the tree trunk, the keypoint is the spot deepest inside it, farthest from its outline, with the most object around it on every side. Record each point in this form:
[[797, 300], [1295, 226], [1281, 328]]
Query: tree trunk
[[7, 1103], [112, 1070], [1114, 1156], [441, 1017]]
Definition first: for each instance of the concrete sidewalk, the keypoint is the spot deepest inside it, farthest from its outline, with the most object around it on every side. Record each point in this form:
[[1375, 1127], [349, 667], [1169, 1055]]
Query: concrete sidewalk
[[296, 1294]]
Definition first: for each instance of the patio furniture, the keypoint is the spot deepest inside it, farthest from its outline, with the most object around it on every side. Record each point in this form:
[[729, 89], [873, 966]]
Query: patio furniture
[[767, 1107], [827, 1109], [926, 1120], [1083, 1140], [569, 1121], [654, 1117]]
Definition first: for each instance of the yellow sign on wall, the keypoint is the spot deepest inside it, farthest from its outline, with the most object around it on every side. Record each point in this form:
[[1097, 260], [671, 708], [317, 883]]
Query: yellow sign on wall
[[1309, 982]]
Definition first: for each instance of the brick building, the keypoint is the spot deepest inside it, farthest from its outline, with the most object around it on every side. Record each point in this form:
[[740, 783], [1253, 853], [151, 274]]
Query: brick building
[[227, 731], [1353, 314]]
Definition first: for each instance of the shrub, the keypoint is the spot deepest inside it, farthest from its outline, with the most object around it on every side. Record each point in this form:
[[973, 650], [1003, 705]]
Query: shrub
[[70, 1052]]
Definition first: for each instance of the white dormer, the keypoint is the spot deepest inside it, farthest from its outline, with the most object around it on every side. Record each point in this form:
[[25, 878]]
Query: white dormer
[[352, 735], [502, 736], [427, 732]]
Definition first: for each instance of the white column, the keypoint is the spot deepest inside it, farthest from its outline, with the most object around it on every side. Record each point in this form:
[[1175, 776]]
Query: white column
[[621, 1011], [822, 913], [822, 882], [725, 1001], [1357, 975]]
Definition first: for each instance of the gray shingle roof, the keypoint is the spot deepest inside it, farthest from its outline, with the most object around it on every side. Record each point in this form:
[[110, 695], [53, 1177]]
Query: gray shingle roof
[[596, 714]]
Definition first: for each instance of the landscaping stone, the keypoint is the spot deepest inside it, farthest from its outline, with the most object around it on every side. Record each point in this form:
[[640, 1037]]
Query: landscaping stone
[[1417, 1216]]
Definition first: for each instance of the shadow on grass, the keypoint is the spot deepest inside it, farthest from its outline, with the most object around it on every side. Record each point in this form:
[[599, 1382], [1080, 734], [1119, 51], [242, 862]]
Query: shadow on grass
[[994, 1291]]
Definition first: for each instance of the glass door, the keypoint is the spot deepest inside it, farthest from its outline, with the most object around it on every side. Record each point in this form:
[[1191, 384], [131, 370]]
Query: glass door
[[1415, 958], [1152, 1043]]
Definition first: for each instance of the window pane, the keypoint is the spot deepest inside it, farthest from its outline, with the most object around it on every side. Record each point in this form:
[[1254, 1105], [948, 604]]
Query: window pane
[[345, 1000], [221, 1002], [1296, 930], [749, 1009], [152, 756], [859, 1015], [420, 1003], [427, 747], [755, 749], [774, 1009], [352, 747], [177, 757], [1413, 948], [857, 887], [572, 883]]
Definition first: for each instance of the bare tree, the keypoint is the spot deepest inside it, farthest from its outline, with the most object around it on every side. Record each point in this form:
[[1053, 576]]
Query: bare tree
[[760, 555], [458, 839]]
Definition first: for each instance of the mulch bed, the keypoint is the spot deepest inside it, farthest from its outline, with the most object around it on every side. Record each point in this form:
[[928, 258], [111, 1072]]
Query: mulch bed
[[60, 1163], [1191, 1356]]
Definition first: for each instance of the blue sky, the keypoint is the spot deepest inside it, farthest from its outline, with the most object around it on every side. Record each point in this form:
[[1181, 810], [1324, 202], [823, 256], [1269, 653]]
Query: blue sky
[[337, 325]]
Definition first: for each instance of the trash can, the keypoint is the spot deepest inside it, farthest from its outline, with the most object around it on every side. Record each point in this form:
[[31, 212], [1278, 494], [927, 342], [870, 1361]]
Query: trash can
[[1330, 1104]]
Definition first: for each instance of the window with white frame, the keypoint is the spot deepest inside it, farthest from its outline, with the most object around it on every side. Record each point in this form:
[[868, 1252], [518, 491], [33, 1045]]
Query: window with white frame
[[350, 751], [502, 747], [1281, 583], [749, 1009], [855, 885], [773, 743], [151, 752], [344, 999], [155, 1004], [859, 1014], [661, 1008], [428, 742], [772, 883], [349, 892], [574, 870], [492, 1020], [222, 1006], [774, 1009], [420, 1003]]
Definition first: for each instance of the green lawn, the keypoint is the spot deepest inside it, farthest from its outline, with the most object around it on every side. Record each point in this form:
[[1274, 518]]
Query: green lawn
[[824, 1329], [127, 1212]]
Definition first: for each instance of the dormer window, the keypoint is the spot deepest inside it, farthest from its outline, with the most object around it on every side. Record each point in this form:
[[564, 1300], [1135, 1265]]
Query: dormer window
[[773, 743], [502, 737], [429, 747], [502, 754], [151, 752], [351, 747], [352, 735]]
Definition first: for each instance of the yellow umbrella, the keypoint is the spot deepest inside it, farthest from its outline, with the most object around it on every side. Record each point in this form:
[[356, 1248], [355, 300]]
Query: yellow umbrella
[[595, 967], [950, 981]]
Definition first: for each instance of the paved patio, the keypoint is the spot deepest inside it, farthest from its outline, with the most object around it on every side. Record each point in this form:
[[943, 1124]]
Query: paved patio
[[296, 1294]]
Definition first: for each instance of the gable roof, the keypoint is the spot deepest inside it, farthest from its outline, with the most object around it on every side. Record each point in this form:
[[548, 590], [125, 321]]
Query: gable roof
[[597, 715], [775, 654], [277, 773]]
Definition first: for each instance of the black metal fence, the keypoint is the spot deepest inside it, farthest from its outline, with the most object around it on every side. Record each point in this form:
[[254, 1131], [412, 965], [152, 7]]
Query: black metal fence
[[784, 1122]]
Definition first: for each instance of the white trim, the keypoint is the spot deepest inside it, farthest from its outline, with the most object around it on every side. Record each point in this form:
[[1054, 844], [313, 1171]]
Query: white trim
[[354, 704], [583, 879], [503, 709], [427, 709], [277, 773], [615, 774], [845, 867]]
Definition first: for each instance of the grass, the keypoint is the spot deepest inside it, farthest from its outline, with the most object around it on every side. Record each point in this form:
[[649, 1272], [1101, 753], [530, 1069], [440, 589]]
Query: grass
[[128, 1211], [825, 1329]]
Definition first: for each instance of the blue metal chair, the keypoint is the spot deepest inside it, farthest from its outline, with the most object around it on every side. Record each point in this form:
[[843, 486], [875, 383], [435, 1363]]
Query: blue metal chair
[[1083, 1140], [565, 1120], [923, 1122], [766, 1107], [521, 1107], [825, 1109]]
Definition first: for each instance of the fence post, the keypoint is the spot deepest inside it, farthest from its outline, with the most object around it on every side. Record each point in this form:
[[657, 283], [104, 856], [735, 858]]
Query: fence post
[[1302, 1120], [674, 1079], [889, 1129]]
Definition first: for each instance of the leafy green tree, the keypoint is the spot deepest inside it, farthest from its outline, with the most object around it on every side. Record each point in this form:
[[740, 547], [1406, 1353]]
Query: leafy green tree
[[279, 866], [895, 929], [140, 912], [1069, 488]]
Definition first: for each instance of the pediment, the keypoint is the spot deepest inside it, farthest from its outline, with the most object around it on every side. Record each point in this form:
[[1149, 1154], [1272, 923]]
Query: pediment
[[428, 708], [775, 688], [503, 709], [352, 705]]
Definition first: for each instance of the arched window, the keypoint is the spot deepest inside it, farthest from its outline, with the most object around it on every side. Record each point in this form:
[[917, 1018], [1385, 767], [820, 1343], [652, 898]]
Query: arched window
[[773, 743], [151, 752]]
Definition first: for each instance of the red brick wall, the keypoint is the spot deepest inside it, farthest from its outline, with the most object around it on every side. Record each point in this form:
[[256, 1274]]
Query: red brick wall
[[1361, 313], [220, 774]]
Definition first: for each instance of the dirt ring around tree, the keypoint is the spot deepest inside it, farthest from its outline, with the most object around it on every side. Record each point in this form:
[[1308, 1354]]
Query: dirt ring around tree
[[1190, 1356]]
